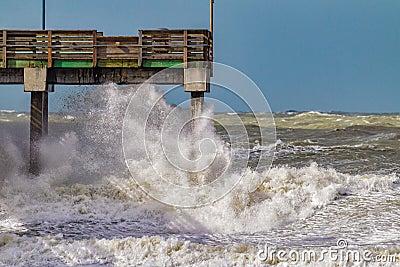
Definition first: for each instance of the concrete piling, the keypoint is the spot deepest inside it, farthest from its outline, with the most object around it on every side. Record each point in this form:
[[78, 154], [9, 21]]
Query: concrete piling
[[35, 82]]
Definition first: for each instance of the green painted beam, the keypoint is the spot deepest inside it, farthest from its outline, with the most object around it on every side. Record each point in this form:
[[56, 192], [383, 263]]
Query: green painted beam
[[112, 63], [72, 63], [20, 63], [160, 63]]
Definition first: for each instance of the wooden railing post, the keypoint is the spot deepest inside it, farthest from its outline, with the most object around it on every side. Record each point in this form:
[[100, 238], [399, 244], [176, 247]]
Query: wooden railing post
[[140, 43], [49, 49], [4, 49], [185, 48], [94, 49]]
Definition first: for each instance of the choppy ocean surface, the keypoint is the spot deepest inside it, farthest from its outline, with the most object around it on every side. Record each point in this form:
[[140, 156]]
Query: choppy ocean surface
[[335, 176]]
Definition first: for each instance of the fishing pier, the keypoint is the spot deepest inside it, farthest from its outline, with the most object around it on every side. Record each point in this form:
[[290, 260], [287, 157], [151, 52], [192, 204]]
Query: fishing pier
[[40, 59]]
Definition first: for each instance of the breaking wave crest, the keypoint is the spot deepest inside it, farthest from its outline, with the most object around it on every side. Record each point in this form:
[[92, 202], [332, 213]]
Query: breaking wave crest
[[85, 198], [85, 177]]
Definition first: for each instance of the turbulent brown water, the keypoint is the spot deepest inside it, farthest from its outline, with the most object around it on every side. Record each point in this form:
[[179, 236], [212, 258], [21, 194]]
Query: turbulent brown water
[[334, 176]]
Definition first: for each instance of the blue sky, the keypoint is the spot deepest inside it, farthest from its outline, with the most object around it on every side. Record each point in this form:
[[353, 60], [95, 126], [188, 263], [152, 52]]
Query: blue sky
[[304, 55]]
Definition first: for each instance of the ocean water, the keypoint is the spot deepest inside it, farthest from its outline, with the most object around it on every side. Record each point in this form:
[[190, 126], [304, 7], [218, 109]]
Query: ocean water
[[335, 176]]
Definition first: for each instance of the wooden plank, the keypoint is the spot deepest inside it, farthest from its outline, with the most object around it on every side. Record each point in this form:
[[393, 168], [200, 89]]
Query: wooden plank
[[56, 44], [10, 54], [57, 53], [26, 49], [72, 39], [29, 56], [176, 45], [162, 51], [45, 31], [88, 33], [26, 41], [49, 51], [72, 56], [118, 45], [172, 49], [117, 50], [4, 57], [118, 56], [133, 39], [164, 56], [20, 36], [117, 63], [196, 57], [73, 50], [87, 38], [158, 32], [197, 41], [29, 43], [86, 44]]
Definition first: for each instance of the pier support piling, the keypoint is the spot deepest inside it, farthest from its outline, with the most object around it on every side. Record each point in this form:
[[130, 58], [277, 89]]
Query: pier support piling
[[38, 128], [196, 104], [196, 81], [35, 82]]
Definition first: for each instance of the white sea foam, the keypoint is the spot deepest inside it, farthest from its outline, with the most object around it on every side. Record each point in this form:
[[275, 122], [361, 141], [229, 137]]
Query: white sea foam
[[69, 117], [81, 183], [287, 194], [102, 191], [152, 251]]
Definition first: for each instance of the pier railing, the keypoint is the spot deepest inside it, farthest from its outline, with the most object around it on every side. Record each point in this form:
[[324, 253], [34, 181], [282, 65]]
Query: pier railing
[[90, 49]]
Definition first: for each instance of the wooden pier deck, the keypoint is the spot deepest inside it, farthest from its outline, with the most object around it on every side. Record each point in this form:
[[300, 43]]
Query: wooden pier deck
[[79, 56], [41, 58]]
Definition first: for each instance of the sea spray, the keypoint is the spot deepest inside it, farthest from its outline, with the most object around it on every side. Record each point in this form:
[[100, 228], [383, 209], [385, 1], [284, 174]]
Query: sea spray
[[287, 194], [85, 208]]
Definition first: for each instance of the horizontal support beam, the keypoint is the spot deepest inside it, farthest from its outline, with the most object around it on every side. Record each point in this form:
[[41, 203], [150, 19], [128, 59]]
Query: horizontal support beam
[[88, 76]]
